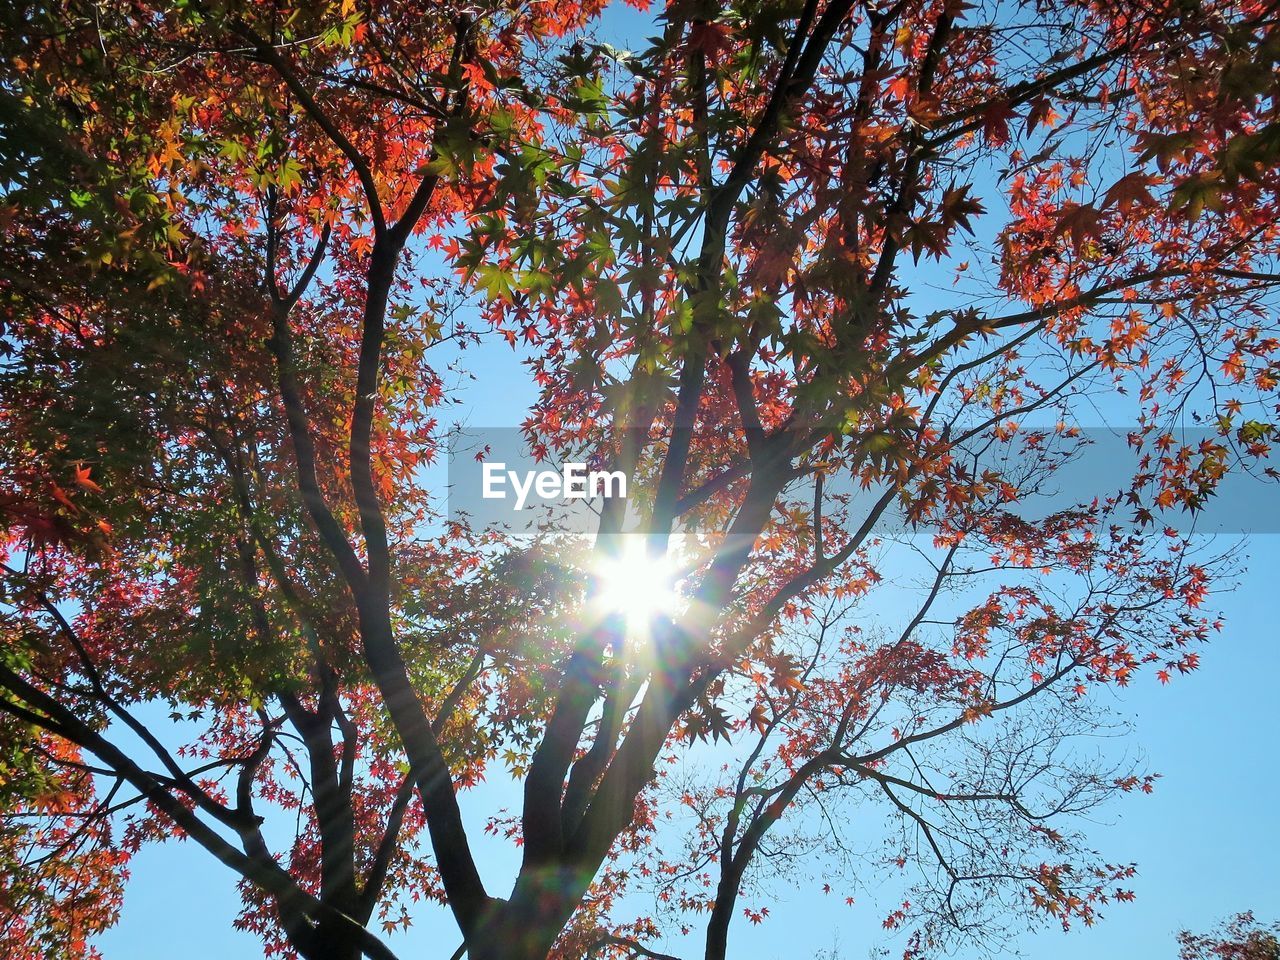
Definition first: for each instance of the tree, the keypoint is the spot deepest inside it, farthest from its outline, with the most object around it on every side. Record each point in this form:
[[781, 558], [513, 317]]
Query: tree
[[1242, 938], [234, 240]]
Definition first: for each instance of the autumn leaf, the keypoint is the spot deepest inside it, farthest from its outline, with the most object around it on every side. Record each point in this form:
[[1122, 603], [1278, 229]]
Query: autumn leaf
[[82, 479]]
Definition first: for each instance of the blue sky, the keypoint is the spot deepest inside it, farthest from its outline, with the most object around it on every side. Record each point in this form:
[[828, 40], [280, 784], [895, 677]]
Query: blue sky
[[1205, 841]]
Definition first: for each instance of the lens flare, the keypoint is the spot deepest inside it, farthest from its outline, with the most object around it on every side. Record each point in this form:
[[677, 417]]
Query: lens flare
[[634, 585]]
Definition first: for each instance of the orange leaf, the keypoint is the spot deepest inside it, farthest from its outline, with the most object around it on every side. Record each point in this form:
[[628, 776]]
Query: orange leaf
[[61, 496], [82, 478]]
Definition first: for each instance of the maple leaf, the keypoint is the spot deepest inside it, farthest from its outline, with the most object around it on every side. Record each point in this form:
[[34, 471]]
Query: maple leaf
[[1129, 191], [1041, 114], [82, 479], [61, 496], [957, 207], [1081, 222], [712, 38], [995, 122]]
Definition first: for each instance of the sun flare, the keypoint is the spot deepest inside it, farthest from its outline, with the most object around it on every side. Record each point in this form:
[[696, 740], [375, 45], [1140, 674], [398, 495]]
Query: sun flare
[[634, 585]]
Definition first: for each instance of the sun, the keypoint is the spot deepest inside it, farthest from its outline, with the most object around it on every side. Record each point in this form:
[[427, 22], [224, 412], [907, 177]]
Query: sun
[[634, 585]]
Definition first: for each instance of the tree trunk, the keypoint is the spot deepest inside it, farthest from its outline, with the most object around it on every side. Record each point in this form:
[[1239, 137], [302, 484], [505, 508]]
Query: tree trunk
[[722, 912], [328, 941], [527, 926]]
